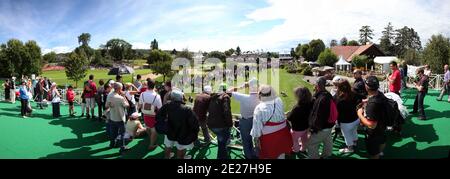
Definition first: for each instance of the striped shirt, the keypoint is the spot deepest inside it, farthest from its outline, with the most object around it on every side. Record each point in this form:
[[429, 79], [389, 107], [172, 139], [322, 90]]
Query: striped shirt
[[264, 113]]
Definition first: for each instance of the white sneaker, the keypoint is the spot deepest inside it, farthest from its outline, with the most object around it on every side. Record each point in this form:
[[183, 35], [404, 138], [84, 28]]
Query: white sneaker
[[187, 157], [346, 150], [381, 154], [24, 117], [172, 154]]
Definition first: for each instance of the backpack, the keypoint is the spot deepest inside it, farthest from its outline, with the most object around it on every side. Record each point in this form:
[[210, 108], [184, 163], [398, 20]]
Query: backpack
[[333, 112], [148, 108], [392, 114]]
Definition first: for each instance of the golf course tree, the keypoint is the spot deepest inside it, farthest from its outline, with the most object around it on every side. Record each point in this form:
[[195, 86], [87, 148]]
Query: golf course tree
[[19, 59], [437, 53], [229, 52], [406, 38], [327, 58], [160, 63], [365, 34], [238, 51], [333, 43], [154, 45], [32, 63], [312, 50], [118, 49], [386, 40], [360, 61], [49, 57], [343, 41], [76, 66], [84, 47], [84, 39]]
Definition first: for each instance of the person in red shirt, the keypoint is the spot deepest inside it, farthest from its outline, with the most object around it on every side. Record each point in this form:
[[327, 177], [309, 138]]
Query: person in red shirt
[[70, 95], [91, 90], [395, 79]]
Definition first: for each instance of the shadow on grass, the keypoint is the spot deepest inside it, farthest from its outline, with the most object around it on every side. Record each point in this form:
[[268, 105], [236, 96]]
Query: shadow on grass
[[79, 126], [81, 153]]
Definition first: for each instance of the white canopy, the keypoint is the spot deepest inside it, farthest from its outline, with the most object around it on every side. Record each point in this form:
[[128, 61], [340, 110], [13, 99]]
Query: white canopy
[[343, 64], [384, 61], [342, 61]]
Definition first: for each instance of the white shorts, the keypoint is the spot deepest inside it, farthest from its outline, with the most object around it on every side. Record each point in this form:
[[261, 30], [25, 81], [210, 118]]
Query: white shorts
[[170, 144], [90, 102]]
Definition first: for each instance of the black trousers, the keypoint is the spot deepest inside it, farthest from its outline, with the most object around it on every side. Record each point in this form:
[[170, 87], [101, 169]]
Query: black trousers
[[100, 109], [55, 109], [23, 106], [418, 104]]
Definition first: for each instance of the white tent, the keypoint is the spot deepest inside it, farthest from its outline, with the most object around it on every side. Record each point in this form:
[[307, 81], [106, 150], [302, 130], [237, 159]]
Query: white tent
[[385, 61], [343, 65]]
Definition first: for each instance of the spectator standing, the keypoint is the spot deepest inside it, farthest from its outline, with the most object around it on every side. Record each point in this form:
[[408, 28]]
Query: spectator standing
[[220, 119], [446, 87], [395, 79], [270, 131], [182, 125], [371, 113], [422, 90], [150, 102], [117, 104], [298, 117], [321, 122], [200, 108]]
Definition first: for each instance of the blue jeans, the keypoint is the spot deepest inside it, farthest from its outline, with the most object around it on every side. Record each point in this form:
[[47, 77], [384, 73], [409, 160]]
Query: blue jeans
[[223, 135], [117, 128], [245, 126]]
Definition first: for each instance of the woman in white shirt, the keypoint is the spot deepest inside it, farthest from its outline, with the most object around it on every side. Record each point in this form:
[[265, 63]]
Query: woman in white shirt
[[270, 131], [56, 100]]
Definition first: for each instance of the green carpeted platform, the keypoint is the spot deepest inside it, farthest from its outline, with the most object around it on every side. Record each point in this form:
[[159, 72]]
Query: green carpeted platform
[[43, 137]]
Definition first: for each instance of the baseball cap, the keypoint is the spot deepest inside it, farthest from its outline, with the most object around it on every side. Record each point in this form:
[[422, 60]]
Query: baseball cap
[[321, 82]]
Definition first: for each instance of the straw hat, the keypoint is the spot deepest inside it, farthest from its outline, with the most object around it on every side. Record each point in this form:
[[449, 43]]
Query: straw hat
[[267, 93]]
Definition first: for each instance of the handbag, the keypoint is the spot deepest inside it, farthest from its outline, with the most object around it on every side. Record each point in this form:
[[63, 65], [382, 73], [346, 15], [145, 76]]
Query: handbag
[[149, 108]]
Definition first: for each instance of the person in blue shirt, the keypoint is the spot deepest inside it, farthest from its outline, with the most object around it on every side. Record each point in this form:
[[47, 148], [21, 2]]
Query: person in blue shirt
[[23, 99]]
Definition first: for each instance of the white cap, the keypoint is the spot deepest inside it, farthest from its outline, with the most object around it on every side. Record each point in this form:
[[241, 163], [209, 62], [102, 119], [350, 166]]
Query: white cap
[[111, 82], [337, 79]]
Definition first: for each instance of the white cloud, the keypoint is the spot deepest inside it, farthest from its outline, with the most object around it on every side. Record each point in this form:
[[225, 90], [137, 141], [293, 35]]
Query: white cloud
[[140, 45], [305, 19]]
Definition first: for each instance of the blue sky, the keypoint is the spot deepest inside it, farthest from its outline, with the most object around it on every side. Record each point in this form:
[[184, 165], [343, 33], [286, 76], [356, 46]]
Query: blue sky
[[212, 24]]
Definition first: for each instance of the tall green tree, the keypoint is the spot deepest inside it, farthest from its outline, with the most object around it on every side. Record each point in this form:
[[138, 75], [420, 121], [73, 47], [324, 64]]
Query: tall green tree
[[315, 48], [298, 51], [76, 67], [344, 41], [386, 40], [19, 59], [118, 49], [437, 53], [365, 34], [154, 45], [84, 39], [327, 58], [32, 62], [229, 52], [303, 51], [406, 38], [238, 50], [333, 43], [160, 63], [49, 57]]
